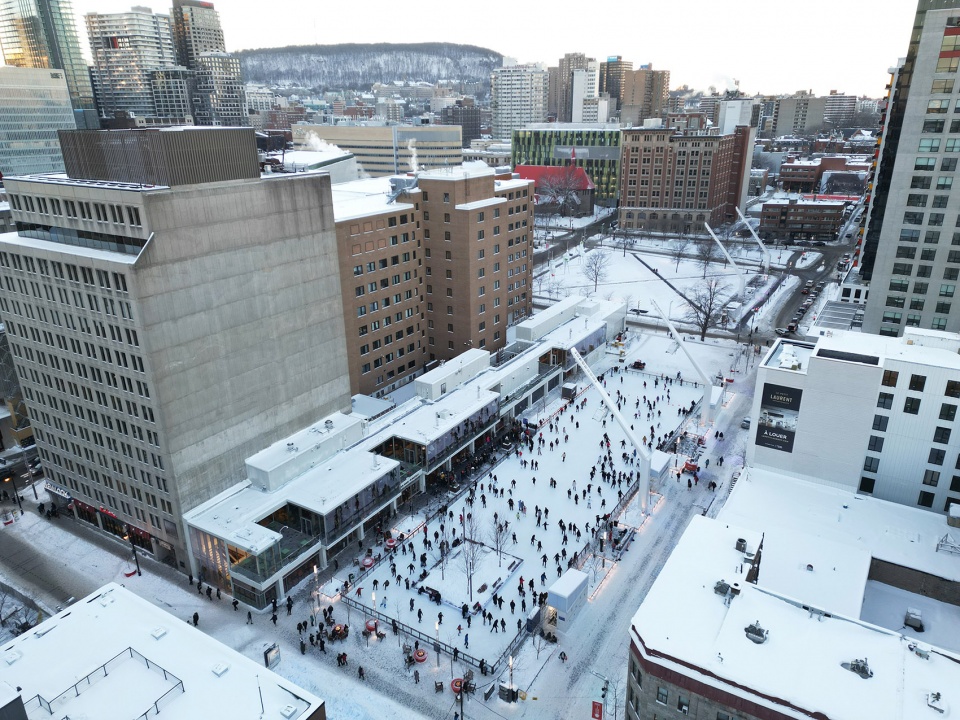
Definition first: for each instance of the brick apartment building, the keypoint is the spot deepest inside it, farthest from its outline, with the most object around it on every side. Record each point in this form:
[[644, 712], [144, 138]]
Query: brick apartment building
[[806, 176], [794, 219], [430, 266], [677, 180]]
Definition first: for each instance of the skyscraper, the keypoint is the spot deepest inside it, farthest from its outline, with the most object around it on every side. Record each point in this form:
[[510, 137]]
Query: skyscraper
[[613, 77], [126, 47], [219, 96], [645, 94], [569, 63], [519, 95], [196, 30], [910, 257], [34, 105], [42, 34]]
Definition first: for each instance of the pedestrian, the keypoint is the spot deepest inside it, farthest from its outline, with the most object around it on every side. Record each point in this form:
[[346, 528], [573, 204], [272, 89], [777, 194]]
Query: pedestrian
[[360, 673], [456, 654], [416, 677], [466, 640], [303, 647], [563, 657], [249, 618], [273, 618], [209, 593], [235, 603], [411, 604], [419, 614], [720, 461], [289, 605], [322, 643], [196, 619], [459, 629], [440, 618]]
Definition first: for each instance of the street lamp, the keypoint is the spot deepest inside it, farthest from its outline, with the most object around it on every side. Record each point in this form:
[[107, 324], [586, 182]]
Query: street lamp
[[436, 648]]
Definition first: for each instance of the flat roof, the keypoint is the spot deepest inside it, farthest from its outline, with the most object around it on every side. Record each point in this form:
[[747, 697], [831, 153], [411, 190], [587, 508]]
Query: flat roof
[[793, 355], [360, 198], [895, 533], [13, 239], [300, 442], [152, 655], [685, 626], [921, 347], [63, 179], [433, 420]]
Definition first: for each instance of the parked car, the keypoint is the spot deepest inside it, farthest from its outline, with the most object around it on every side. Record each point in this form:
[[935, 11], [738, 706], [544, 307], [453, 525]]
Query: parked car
[[805, 291], [745, 423], [781, 331]]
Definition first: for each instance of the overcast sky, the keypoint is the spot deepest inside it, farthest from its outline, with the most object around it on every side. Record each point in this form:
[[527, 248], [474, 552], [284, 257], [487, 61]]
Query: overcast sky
[[770, 47]]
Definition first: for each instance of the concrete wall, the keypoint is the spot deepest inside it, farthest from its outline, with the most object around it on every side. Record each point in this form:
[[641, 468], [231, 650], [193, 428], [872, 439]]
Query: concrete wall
[[239, 298]]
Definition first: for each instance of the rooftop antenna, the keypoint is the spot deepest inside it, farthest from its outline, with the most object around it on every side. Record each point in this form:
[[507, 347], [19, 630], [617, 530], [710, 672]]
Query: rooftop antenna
[[260, 691]]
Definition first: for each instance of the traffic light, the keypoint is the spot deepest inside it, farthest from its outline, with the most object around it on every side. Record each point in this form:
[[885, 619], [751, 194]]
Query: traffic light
[[606, 686]]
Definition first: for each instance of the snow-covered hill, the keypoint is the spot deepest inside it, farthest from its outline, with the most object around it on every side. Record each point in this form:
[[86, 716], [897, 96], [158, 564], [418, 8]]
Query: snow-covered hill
[[358, 66]]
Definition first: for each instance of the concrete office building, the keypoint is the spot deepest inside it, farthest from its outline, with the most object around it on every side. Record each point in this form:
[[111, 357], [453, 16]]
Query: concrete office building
[[173, 89], [42, 34], [383, 150], [734, 112], [800, 601], [34, 105], [677, 180], [801, 114], [593, 147], [126, 47], [465, 114], [909, 257], [519, 97], [866, 413], [167, 309]]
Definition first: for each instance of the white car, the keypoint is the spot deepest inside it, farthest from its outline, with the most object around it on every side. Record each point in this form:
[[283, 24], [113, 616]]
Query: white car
[[745, 423]]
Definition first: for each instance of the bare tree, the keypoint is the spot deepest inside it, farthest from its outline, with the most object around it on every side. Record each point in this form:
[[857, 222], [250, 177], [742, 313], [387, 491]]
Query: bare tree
[[472, 550], [678, 250], [538, 281], [559, 189], [595, 267], [705, 305], [540, 643], [706, 253], [498, 539]]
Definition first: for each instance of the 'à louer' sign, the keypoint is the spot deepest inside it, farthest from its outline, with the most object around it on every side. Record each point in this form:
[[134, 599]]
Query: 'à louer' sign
[[779, 412]]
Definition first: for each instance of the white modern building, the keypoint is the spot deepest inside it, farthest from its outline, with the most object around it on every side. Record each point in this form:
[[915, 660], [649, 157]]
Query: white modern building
[[801, 601], [113, 654], [519, 95], [126, 47], [335, 481], [865, 413]]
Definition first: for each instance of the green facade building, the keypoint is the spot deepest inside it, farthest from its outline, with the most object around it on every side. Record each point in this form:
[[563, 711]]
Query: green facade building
[[595, 147]]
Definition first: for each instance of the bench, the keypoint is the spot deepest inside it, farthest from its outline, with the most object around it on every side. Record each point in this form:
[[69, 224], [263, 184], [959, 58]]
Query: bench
[[437, 686]]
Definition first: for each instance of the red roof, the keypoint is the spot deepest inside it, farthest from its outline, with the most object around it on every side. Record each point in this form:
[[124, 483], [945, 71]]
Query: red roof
[[538, 173]]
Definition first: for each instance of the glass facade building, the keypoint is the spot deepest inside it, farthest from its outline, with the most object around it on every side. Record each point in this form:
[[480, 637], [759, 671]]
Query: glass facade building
[[34, 105]]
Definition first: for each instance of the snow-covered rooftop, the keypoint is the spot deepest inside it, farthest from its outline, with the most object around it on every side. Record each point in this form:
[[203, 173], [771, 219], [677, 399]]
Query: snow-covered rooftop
[[917, 345], [685, 626], [311, 158], [360, 198], [153, 657], [12, 238], [64, 179]]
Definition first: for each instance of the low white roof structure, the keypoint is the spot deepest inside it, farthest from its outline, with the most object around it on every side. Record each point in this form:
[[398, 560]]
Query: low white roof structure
[[114, 656]]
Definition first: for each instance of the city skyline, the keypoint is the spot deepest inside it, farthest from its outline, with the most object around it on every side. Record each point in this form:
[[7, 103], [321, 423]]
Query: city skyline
[[851, 53]]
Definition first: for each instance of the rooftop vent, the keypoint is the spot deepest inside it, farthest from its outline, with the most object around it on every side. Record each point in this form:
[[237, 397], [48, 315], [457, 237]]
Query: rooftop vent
[[755, 633], [913, 619], [289, 711], [291, 447], [921, 651], [722, 587], [741, 545], [220, 668], [860, 667], [935, 701], [328, 425]]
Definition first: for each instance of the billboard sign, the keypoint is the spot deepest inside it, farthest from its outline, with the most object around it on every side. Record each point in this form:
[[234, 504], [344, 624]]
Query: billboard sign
[[779, 411]]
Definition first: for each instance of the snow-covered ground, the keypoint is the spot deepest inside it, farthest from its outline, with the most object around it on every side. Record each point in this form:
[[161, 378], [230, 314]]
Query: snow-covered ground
[[599, 640]]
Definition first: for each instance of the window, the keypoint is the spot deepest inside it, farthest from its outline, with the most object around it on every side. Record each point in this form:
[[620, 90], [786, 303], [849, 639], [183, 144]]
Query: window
[[902, 269], [929, 144], [938, 324], [925, 499], [938, 107], [935, 220], [446, 197], [880, 422], [931, 477], [867, 484], [892, 318], [943, 308], [933, 126], [947, 290], [955, 484], [885, 401], [875, 444], [916, 303], [948, 412], [936, 455], [890, 378], [683, 704], [871, 464], [941, 435], [917, 382], [925, 164], [948, 164], [916, 200], [911, 405], [920, 288], [942, 86], [662, 692], [906, 253], [896, 302], [951, 273], [899, 285], [920, 182]]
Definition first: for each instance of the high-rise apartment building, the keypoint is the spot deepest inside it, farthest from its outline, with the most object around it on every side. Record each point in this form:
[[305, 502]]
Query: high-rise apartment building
[[585, 103], [430, 266], [42, 34], [613, 78], [34, 106], [568, 63], [219, 96], [677, 180], [126, 47], [839, 109], [645, 94], [801, 114], [519, 95], [173, 89], [196, 30], [167, 310], [465, 114], [910, 257]]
